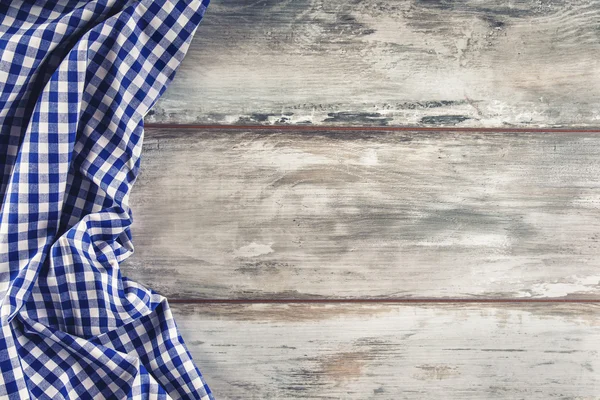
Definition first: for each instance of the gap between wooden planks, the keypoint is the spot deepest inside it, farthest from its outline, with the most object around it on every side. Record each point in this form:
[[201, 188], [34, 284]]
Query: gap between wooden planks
[[381, 129], [369, 128], [379, 301]]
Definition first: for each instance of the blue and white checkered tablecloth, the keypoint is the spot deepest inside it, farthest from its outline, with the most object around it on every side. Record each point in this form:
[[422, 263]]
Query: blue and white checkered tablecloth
[[76, 79]]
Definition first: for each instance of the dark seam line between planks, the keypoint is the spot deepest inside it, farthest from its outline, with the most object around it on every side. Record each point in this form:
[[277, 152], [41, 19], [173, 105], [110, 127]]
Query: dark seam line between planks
[[388, 300], [368, 128]]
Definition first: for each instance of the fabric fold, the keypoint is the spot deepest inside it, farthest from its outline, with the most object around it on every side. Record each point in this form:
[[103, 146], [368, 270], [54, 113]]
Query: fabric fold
[[76, 80]]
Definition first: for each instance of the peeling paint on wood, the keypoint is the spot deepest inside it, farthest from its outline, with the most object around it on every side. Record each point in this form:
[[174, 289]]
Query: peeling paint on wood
[[375, 215], [386, 351], [477, 63], [254, 214]]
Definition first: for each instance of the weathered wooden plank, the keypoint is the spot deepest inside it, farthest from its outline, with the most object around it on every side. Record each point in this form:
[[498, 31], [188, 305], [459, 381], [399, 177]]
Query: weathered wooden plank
[[388, 351], [254, 214], [482, 63]]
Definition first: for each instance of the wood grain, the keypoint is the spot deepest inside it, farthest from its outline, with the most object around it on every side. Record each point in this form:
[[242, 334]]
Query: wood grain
[[470, 63], [395, 352], [322, 215]]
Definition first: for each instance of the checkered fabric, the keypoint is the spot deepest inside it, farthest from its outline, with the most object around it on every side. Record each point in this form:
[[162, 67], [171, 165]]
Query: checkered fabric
[[76, 79]]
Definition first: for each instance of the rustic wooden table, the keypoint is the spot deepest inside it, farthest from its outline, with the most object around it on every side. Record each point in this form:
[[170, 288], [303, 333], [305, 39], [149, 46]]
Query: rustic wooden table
[[381, 199]]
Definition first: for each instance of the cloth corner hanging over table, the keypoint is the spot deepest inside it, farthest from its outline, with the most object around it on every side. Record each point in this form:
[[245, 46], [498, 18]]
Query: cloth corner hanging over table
[[76, 79]]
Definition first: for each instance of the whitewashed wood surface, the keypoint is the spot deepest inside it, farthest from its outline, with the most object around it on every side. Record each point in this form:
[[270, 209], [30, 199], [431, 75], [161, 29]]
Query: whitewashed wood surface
[[388, 351], [278, 214], [501, 220], [481, 63]]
